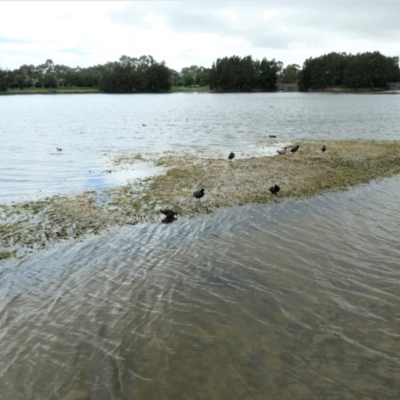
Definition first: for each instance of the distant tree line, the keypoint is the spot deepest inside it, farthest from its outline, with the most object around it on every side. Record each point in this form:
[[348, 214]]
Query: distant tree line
[[128, 75], [50, 75], [244, 74], [363, 70], [145, 75], [289, 74], [191, 76], [4, 78]]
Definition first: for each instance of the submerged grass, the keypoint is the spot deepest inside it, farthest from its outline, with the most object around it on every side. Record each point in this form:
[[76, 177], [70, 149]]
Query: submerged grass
[[34, 225]]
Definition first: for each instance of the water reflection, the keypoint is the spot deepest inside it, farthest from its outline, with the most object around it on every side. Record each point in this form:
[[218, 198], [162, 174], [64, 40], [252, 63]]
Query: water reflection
[[297, 301]]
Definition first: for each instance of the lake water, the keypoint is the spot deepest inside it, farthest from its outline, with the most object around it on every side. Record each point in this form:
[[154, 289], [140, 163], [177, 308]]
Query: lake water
[[295, 301], [90, 127]]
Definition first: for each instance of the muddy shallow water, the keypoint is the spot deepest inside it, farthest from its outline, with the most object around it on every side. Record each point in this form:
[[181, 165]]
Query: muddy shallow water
[[298, 300]]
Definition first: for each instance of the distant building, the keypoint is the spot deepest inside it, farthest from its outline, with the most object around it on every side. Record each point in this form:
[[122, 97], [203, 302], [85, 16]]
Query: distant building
[[287, 87], [393, 85]]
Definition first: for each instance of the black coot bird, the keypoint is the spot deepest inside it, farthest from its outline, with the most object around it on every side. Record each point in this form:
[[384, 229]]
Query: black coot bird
[[323, 148], [272, 136], [143, 124], [169, 213], [170, 216], [199, 194], [294, 149], [58, 149], [231, 155], [274, 189]]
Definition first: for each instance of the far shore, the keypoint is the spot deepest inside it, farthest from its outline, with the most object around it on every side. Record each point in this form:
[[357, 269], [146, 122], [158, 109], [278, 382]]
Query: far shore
[[91, 90], [33, 225], [61, 90]]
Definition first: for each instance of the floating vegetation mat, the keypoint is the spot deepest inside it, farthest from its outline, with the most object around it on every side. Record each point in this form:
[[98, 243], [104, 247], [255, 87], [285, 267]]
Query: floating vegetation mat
[[32, 225]]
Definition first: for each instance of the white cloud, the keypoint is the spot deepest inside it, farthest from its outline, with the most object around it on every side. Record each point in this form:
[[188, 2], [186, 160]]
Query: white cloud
[[184, 33]]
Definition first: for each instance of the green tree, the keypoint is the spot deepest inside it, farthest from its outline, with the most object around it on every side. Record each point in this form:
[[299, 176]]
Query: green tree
[[236, 74], [268, 75], [19, 81], [360, 71], [130, 75], [174, 77], [50, 81], [158, 77], [4, 80], [290, 73], [194, 75], [117, 78]]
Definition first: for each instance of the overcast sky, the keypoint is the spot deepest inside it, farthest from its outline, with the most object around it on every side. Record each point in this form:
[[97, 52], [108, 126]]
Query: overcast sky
[[185, 33]]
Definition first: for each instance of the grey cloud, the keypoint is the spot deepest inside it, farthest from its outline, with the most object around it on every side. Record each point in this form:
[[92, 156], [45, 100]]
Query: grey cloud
[[295, 30], [308, 19]]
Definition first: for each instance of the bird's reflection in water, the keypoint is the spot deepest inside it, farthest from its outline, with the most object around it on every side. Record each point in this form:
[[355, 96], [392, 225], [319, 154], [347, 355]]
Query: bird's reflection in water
[[170, 216], [168, 220]]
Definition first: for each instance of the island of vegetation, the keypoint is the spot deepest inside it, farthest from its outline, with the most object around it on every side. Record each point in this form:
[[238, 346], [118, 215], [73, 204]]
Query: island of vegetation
[[330, 72], [34, 225]]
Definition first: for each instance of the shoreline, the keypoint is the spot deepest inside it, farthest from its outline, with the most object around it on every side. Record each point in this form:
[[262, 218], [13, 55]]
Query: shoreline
[[192, 90], [38, 224], [50, 91]]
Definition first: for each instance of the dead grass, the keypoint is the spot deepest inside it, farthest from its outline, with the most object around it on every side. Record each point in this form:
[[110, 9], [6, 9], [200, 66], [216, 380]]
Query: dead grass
[[34, 225]]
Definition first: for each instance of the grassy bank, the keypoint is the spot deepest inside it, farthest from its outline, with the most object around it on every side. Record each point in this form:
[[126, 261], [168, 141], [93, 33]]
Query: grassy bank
[[63, 90], [34, 225], [180, 89], [78, 90]]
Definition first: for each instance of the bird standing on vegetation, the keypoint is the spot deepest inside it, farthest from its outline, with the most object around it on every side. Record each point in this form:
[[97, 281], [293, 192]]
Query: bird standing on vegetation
[[231, 155], [169, 213], [294, 149], [323, 148], [170, 216], [199, 194], [58, 149], [274, 189]]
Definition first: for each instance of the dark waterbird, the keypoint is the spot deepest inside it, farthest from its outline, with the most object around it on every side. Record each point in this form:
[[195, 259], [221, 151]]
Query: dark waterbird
[[323, 148], [58, 149], [231, 155], [143, 124], [274, 189], [169, 213], [272, 136], [168, 220], [294, 149], [199, 194], [170, 216]]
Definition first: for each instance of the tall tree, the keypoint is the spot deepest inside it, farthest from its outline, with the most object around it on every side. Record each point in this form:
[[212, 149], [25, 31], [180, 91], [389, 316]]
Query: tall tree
[[4, 79], [360, 71], [290, 73], [158, 77], [237, 74]]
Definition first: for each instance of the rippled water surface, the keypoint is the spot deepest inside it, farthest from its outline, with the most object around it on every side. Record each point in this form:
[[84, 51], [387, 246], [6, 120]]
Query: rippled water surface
[[298, 300]]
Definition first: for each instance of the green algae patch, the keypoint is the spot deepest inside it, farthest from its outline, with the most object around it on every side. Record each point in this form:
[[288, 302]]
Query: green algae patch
[[4, 255], [33, 225]]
